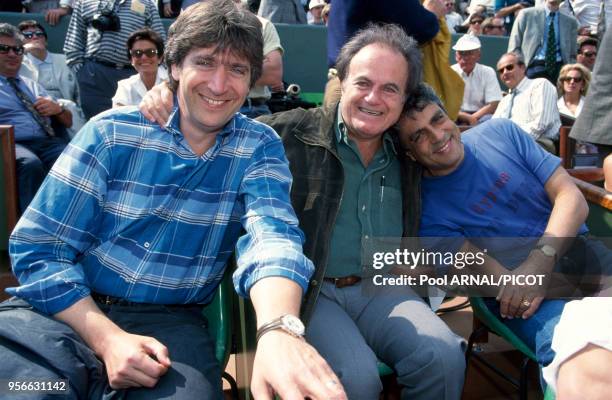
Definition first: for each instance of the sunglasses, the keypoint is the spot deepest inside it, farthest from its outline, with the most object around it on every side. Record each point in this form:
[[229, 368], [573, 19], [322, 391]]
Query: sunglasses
[[496, 27], [508, 68], [476, 21], [30, 35], [589, 54], [4, 49], [147, 52], [576, 79]]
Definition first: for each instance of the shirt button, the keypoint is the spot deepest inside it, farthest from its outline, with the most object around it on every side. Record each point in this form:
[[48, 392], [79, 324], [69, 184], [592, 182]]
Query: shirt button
[[363, 208], [146, 245], [367, 237]]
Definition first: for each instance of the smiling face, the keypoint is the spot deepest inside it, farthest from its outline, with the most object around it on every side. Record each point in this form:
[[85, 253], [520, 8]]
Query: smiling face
[[10, 62], [141, 61], [432, 139], [373, 92], [211, 88], [510, 72]]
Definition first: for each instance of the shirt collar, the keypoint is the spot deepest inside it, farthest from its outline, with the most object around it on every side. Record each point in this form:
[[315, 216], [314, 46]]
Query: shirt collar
[[522, 85]]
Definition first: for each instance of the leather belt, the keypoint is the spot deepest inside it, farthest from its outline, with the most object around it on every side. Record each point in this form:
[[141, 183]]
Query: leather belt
[[254, 102], [112, 300], [344, 281], [110, 64]]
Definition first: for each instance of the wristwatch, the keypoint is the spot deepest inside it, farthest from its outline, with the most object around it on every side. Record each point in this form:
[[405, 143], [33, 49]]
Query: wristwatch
[[287, 323], [548, 250]]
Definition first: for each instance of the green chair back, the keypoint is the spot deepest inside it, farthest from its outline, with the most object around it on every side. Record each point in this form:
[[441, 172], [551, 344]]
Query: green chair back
[[219, 316]]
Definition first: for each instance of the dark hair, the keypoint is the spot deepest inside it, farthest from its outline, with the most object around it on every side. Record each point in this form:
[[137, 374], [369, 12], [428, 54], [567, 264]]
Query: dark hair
[[146, 34], [30, 23], [421, 97], [220, 24], [391, 36], [587, 41], [8, 30]]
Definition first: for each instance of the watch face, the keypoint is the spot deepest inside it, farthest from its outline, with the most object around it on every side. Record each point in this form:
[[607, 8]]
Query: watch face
[[293, 324]]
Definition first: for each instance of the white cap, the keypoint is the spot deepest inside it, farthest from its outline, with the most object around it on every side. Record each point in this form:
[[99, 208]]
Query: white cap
[[467, 42], [316, 3]]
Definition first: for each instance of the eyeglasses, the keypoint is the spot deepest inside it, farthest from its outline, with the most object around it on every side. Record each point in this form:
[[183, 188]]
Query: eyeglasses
[[4, 49], [576, 79], [508, 68], [30, 35], [589, 54], [147, 52], [476, 21], [496, 27]]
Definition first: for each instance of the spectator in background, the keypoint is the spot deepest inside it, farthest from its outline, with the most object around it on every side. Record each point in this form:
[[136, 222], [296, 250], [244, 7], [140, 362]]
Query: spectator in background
[[509, 9], [494, 26], [96, 51], [146, 51], [546, 38], [572, 87], [325, 13], [26, 105], [531, 104], [51, 72], [589, 13], [282, 11], [54, 10], [587, 52], [316, 9], [453, 18], [474, 23], [482, 92]]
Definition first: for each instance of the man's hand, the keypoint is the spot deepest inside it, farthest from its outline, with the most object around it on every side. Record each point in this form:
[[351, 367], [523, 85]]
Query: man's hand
[[133, 360], [157, 104], [47, 107], [168, 10], [294, 369], [522, 301], [53, 16]]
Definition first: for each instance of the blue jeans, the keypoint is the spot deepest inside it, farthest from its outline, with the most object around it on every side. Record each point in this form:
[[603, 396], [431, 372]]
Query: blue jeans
[[34, 345]]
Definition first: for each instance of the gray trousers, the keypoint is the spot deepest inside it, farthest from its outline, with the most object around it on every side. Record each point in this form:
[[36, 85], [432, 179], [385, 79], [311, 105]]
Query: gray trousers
[[36, 346], [352, 327]]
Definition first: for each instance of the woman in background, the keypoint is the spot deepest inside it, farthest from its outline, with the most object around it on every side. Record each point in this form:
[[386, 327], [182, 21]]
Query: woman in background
[[145, 50]]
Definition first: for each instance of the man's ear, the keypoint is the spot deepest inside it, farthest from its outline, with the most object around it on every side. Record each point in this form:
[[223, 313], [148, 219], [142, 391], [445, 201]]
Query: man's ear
[[174, 71]]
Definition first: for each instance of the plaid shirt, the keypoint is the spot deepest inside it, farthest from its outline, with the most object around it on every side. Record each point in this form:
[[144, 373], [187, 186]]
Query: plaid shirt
[[128, 210]]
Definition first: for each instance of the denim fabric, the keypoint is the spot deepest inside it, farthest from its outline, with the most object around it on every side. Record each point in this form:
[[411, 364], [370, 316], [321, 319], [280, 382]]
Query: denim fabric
[[255, 111], [34, 345]]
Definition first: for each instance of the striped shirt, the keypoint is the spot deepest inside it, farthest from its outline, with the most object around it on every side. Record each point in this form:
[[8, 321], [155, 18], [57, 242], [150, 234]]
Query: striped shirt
[[84, 41], [128, 210]]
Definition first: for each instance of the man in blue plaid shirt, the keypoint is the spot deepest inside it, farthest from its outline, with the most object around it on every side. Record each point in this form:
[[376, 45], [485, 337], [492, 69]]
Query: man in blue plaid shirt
[[131, 231]]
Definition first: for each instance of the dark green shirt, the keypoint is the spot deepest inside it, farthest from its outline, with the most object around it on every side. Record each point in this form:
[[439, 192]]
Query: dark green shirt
[[371, 204]]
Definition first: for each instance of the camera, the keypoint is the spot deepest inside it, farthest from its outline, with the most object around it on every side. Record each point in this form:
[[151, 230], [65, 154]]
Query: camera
[[106, 20]]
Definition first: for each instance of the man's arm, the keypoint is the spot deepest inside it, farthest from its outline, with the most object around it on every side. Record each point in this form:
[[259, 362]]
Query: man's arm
[[544, 111], [515, 42], [273, 270], [76, 38], [272, 72], [284, 364], [487, 109], [48, 107]]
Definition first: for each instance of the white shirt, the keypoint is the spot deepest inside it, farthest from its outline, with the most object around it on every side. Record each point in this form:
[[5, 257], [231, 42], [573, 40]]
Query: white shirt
[[534, 108], [453, 19], [587, 12], [130, 91], [582, 322], [564, 110], [481, 87]]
